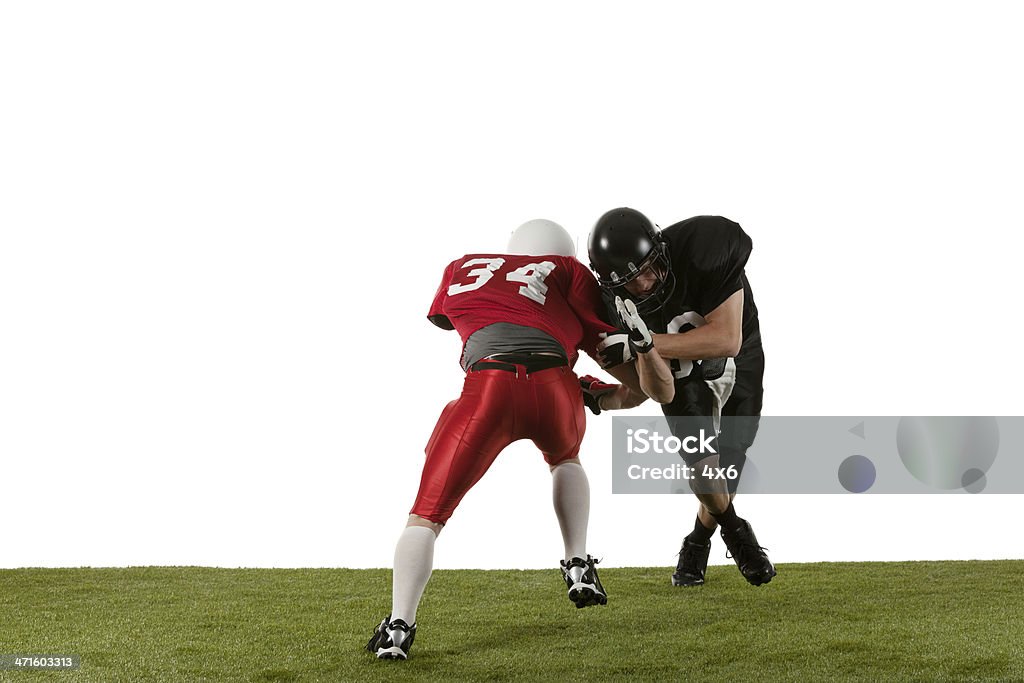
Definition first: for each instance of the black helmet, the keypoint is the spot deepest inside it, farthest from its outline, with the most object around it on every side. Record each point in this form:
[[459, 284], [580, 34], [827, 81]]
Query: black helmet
[[624, 242]]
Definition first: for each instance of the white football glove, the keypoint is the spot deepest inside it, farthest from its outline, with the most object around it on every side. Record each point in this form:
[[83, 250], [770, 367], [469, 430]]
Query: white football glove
[[640, 339]]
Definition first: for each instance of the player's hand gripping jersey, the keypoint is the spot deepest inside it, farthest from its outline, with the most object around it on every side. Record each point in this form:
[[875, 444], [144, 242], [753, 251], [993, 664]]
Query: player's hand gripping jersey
[[510, 397]]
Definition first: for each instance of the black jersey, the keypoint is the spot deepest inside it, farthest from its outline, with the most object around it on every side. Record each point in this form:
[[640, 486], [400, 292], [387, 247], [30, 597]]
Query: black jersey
[[708, 255]]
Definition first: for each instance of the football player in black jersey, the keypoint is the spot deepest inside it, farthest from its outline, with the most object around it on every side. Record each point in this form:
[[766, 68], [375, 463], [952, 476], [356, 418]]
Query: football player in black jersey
[[688, 283]]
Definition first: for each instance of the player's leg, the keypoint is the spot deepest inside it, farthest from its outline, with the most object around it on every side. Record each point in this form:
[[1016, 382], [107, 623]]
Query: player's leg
[[743, 398], [571, 498], [467, 438], [696, 404], [570, 493], [558, 434], [724, 385], [413, 564], [738, 385], [741, 415], [714, 503], [695, 551]]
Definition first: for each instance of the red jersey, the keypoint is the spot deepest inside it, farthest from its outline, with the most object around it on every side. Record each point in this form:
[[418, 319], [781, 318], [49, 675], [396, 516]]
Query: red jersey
[[554, 294]]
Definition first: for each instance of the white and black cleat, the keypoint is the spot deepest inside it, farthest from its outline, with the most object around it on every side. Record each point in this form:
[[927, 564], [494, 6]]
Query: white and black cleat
[[392, 639], [581, 579]]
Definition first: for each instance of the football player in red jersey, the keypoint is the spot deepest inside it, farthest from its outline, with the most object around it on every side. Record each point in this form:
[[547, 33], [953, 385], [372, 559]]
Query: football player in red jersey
[[522, 317]]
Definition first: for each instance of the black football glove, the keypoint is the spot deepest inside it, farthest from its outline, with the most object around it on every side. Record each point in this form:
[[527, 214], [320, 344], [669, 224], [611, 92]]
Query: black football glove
[[593, 390], [640, 339], [614, 349]]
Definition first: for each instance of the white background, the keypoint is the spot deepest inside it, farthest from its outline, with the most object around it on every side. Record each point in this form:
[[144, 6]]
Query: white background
[[222, 224]]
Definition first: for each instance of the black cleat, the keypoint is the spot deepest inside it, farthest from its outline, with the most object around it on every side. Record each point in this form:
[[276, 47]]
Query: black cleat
[[585, 588], [693, 562], [750, 557], [392, 639]]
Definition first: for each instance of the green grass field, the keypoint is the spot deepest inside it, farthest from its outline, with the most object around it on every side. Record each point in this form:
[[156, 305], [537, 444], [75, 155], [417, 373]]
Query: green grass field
[[871, 621]]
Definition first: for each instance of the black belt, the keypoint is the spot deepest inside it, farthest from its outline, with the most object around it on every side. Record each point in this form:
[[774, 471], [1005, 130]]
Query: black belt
[[511, 362]]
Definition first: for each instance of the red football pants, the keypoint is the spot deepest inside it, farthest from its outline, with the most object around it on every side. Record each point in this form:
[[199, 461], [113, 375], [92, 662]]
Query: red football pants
[[496, 408]]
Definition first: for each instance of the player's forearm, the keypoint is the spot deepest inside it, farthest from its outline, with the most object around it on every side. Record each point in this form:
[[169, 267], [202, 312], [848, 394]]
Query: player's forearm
[[649, 377], [629, 394], [622, 398], [656, 376], [707, 341]]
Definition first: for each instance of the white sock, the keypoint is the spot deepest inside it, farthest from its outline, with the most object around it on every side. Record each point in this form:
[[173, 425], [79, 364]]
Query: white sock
[[571, 495], [414, 560]]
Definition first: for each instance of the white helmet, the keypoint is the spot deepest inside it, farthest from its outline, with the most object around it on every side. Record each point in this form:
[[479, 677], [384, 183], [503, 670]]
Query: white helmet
[[541, 237]]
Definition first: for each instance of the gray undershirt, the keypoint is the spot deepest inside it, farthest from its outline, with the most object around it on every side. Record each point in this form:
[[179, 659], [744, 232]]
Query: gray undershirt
[[507, 338]]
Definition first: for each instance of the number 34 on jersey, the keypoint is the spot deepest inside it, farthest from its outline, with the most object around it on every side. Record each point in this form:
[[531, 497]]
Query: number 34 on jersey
[[531, 276]]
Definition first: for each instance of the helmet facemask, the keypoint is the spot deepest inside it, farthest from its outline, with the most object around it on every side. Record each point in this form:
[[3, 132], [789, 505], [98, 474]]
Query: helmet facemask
[[659, 262]]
